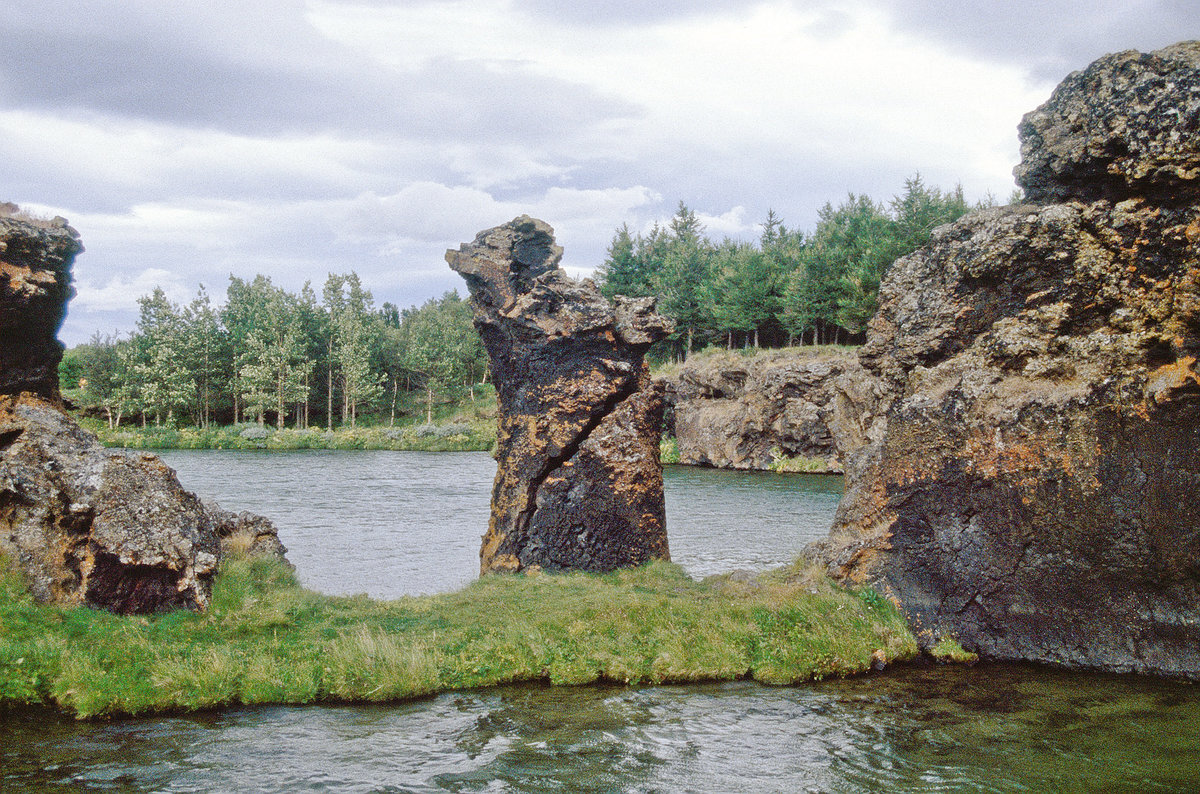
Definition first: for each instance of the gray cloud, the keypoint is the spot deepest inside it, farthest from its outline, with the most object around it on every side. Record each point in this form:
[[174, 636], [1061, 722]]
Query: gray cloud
[[1051, 37], [255, 70]]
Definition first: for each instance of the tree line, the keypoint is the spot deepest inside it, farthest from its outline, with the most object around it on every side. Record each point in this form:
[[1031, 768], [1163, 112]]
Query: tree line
[[788, 287], [267, 354], [270, 355]]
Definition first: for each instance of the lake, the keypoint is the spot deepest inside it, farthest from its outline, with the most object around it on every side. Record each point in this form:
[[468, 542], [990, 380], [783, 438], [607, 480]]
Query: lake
[[404, 523], [391, 523]]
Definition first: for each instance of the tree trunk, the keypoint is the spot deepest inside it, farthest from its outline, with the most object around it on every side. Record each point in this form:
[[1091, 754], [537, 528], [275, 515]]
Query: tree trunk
[[428, 403], [279, 411], [395, 389]]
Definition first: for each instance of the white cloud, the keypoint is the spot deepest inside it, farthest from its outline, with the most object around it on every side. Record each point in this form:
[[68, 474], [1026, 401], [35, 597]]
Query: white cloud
[[120, 293]]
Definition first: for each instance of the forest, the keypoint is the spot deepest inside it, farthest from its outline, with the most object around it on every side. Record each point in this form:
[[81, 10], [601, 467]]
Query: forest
[[267, 355]]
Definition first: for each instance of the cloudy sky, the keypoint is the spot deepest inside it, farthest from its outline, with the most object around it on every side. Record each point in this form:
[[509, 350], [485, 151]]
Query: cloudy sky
[[188, 141]]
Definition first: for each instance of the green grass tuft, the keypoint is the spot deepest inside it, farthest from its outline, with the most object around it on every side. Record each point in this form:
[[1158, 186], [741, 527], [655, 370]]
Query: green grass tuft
[[947, 650], [668, 450], [267, 640]]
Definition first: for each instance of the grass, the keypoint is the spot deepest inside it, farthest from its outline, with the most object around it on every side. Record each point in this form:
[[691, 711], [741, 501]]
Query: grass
[[460, 427], [670, 369], [267, 640], [947, 650], [796, 464]]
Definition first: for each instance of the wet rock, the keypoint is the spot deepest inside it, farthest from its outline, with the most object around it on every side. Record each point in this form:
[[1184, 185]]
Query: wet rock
[[733, 412], [579, 484], [1030, 486], [89, 526]]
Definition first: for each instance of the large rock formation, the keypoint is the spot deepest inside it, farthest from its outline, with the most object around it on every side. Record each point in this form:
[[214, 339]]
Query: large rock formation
[[1032, 483], [733, 412], [105, 528], [35, 285], [579, 484]]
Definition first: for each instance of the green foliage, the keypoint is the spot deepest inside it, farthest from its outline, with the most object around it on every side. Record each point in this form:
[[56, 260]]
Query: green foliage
[[796, 464], [264, 639], [668, 450], [816, 288], [947, 650], [270, 355]]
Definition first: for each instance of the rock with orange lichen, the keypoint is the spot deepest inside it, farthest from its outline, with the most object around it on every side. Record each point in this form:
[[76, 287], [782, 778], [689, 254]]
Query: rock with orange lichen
[[88, 525], [35, 284], [579, 484], [1034, 489]]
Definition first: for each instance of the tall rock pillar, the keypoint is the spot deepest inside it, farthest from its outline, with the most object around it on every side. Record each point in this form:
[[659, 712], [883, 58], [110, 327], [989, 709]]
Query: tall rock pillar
[[579, 485]]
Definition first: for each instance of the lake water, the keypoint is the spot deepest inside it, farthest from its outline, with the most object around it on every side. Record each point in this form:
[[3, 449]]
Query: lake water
[[403, 523], [392, 523]]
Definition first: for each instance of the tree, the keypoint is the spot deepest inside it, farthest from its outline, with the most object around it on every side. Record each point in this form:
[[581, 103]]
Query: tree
[[623, 271], [920, 210], [441, 348], [685, 267], [159, 364], [204, 349], [103, 376], [275, 369], [244, 303], [353, 325]]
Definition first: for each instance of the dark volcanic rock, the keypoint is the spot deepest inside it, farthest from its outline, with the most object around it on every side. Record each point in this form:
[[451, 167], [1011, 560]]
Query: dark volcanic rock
[[579, 484], [89, 525], [1126, 126], [745, 413], [35, 284], [1033, 489], [94, 526]]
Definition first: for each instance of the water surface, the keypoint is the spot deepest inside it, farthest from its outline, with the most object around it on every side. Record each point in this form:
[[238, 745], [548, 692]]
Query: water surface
[[1000, 728], [401, 523]]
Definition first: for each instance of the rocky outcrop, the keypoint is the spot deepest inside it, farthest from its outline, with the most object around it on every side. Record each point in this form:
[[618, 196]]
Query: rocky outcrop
[[579, 485], [1128, 126], [776, 408], [1031, 485], [90, 526], [35, 285]]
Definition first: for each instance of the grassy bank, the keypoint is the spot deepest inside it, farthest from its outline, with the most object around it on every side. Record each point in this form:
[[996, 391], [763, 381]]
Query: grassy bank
[[267, 640]]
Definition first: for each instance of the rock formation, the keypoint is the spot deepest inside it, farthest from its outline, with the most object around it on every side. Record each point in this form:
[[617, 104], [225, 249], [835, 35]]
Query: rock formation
[[579, 485], [89, 525], [733, 412], [35, 285], [1030, 483]]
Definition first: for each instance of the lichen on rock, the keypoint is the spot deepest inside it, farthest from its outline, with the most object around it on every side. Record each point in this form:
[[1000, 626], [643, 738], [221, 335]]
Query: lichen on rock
[[1032, 489], [579, 484]]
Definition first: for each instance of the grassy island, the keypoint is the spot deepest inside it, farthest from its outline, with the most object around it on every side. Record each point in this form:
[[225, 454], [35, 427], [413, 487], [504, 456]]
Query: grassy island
[[265, 639]]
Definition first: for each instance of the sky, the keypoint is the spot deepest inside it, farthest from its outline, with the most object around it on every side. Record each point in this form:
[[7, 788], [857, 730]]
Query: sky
[[191, 141]]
